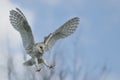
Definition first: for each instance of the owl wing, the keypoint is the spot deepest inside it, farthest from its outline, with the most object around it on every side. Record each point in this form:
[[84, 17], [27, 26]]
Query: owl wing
[[65, 30], [19, 22]]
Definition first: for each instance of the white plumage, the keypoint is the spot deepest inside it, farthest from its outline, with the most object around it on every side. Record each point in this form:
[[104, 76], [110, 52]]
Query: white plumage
[[36, 50]]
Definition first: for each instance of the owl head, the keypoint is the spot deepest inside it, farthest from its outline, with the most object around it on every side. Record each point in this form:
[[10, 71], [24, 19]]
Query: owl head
[[40, 47]]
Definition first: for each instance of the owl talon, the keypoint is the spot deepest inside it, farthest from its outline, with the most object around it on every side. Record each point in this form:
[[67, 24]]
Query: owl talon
[[38, 70], [52, 67]]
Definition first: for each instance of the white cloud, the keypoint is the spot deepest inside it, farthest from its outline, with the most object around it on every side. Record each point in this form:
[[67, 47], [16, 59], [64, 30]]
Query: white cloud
[[4, 24], [4, 13]]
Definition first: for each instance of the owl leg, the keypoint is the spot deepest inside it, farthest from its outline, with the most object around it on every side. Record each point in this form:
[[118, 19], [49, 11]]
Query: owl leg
[[37, 65], [46, 64]]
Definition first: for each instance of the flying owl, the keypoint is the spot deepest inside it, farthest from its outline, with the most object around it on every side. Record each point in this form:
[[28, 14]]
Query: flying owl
[[36, 50]]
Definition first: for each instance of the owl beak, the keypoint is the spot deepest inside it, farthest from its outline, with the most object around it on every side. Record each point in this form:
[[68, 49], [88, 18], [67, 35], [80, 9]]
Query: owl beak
[[41, 51]]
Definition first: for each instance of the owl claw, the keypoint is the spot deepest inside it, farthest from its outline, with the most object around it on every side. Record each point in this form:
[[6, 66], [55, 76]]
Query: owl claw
[[52, 67], [38, 70]]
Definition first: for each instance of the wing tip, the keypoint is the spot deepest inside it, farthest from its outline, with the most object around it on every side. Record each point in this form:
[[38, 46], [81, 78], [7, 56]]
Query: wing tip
[[77, 18]]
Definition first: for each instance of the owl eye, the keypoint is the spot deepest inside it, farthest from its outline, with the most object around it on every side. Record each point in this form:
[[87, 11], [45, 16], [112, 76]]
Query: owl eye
[[41, 47]]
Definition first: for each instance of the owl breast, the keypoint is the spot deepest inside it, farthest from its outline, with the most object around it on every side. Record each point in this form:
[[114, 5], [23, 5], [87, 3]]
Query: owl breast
[[35, 52]]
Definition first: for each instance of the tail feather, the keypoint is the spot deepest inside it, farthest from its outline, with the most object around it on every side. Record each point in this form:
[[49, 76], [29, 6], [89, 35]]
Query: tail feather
[[31, 62]]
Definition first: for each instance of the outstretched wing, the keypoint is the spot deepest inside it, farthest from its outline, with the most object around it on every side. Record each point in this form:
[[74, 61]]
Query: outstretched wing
[[65, 30], [19, 22]]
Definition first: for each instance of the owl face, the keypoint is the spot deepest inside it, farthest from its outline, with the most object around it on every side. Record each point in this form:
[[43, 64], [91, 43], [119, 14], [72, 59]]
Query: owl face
[[40, 47]]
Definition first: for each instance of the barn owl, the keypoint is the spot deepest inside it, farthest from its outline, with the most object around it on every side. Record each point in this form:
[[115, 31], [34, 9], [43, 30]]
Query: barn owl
[[36, 50]]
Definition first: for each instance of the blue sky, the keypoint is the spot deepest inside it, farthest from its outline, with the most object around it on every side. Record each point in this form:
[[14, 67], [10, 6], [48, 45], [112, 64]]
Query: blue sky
[[97, 35]]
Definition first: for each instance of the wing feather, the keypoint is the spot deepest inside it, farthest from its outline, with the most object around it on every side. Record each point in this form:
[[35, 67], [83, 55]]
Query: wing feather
[[64, 31], [19, 22]]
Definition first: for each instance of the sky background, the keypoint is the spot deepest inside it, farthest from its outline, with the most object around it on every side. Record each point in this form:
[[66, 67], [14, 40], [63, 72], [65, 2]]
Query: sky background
[[96, 40]]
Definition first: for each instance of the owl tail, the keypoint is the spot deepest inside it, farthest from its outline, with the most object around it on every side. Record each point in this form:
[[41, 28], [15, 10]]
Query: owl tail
[[30, 62]]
